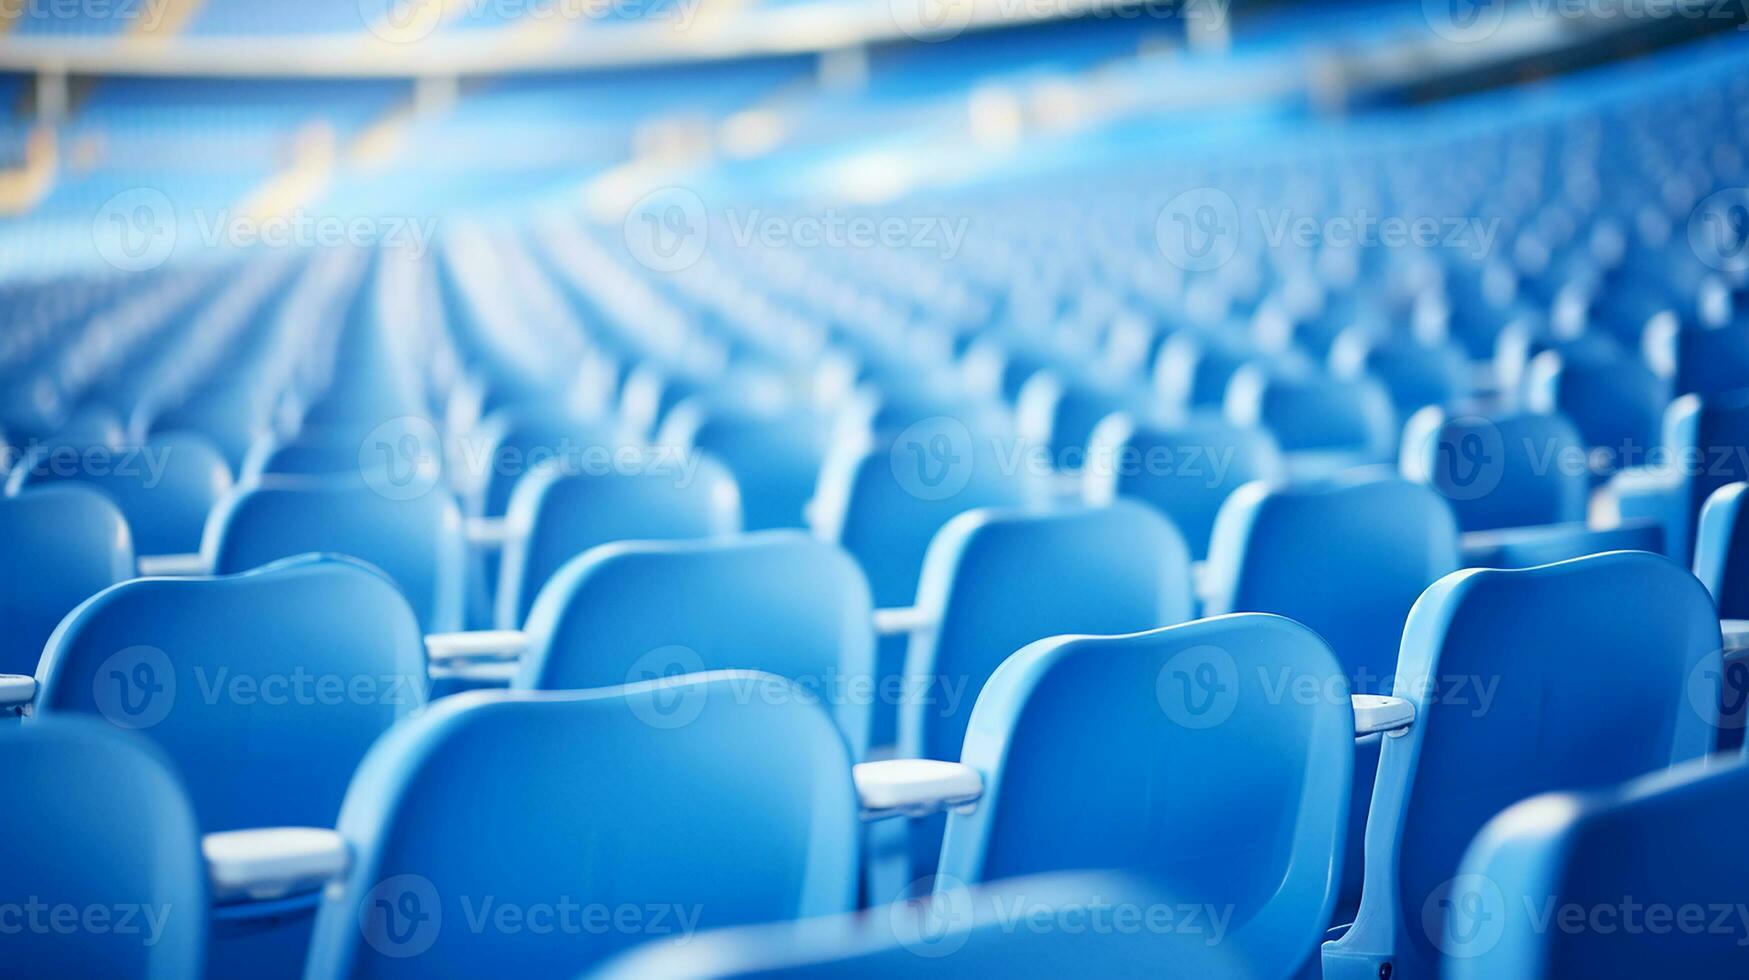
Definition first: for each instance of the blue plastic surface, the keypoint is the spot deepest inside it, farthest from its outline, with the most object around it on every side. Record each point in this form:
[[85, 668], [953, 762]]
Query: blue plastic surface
[[63, 544], [101, 855], [528, 833], [773, 601], [1574, 675]]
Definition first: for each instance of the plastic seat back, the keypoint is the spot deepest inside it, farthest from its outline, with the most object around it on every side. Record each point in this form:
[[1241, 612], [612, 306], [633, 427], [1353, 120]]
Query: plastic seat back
[[1714, 432], [775, 601], [417, 541], [556, 516], [1516, 471], [1615, 402], [1574, 675], [1655, 869], [1094, 750], [264, 688], [102, 857], [1721, 555], [63, 544], [883, 498], [1346, 556], [775, 455], [165, 488], [1307, 412], [674, 805], [998, 579], [1184, 471], [512, 442]]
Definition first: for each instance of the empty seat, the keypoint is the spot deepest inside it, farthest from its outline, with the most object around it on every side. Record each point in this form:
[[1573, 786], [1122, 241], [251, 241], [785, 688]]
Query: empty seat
[[882, 498], [1321, 424], [1348, 557], [1185, 471], [165, 488], [104, 875], [512, 442], [63, 544], [1642, 879], [264, 690], [995, 580], [1721, 555], [417, 541], [1246, 782], [1574, 675], [556, 515], [595, 815], [774, 601], [1705, 446], [775, 453], [1612, 399]]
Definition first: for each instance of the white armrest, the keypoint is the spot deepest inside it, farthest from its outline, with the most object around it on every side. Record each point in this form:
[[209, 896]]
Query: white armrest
[[178, 566], [1736, 635], [487, 532], [16, 690], [906, 619], [272, 862], [1382, 713], [915, 787], [443, 648]]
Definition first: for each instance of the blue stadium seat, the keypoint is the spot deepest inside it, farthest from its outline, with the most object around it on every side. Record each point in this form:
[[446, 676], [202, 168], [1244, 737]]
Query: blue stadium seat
[[1642, 879], [882, 499], [1705, 446], [684, 804], [1321, 424], [1248, 783], [555, 516], [1612, 399], [102, 857], [165, 488], [773, 601], [997, 579], [1721, 554], [775, 453], [512, 442], [417, 541], [264, 688], [1574, 675], [1347, 557], [63, 544], [1185, 471]]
